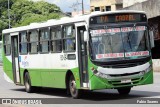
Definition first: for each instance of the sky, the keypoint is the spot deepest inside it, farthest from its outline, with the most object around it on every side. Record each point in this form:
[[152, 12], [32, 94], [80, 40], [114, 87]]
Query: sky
[[66, 5]]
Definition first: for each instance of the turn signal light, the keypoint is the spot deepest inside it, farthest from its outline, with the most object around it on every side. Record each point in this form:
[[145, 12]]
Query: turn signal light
[[94, 70]]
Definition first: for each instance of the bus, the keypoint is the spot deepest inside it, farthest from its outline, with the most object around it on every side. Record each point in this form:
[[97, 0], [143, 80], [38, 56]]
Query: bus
[[102, 50]]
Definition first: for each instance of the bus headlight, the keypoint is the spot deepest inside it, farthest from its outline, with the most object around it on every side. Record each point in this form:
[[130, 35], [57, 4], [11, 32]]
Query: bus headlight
[[102, 75], [142, 73], [148, 69], [99, 74]]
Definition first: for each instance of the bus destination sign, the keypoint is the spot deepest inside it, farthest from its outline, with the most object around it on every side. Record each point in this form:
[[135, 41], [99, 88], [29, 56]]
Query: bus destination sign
[[114, 18]]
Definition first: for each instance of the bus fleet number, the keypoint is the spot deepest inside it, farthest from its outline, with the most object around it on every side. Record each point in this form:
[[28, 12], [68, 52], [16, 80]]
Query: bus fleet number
[[63, 57]]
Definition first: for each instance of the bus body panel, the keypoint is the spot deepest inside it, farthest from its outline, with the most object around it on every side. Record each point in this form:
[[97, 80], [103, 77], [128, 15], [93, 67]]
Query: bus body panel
[[39, 76], [58, 77], [45, 71], [7, 66], [54, 78]]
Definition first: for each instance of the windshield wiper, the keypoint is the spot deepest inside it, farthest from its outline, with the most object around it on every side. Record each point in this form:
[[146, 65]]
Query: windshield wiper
[[109, 39], [129, 41], [128, 38]]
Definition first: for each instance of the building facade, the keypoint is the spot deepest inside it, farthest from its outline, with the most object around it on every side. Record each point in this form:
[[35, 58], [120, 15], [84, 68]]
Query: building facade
[[105, 5], [127, 3]]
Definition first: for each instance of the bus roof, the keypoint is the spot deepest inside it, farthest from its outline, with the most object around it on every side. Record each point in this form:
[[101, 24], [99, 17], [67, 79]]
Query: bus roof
[[65, 20]]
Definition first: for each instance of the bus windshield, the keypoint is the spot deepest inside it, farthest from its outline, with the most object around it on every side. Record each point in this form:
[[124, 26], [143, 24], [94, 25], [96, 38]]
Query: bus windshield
[[119, 43]]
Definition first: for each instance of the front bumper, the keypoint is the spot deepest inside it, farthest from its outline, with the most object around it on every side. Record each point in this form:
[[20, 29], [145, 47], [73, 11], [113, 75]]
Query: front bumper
[[116, 82]]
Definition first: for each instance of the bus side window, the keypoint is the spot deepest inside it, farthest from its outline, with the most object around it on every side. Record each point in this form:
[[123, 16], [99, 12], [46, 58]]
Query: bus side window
[[56, 39], [33, 37], [44, 40], [7, 44], [69, 38], [23, 43]]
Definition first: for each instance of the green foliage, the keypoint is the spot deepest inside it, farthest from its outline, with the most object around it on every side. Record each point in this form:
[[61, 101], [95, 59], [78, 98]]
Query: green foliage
[[24, 12]]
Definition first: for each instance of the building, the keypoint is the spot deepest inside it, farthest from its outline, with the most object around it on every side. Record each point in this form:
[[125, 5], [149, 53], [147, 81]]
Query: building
[[127, 3], [105, 5]]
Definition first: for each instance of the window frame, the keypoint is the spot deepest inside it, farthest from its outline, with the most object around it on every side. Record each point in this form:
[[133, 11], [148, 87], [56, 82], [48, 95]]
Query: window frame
[[97, 8], [27, 36], [39, 47], [58, 27], [107, 8], [29, 41], [65, 38]]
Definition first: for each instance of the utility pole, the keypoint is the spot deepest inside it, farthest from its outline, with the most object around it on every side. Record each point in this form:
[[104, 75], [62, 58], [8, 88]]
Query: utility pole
[[9, 14], [82, 8], [76, 5]]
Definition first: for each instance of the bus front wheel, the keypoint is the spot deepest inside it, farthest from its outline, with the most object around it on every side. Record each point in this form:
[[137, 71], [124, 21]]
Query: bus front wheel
[[27, 83], [75, 93], [124, 91]]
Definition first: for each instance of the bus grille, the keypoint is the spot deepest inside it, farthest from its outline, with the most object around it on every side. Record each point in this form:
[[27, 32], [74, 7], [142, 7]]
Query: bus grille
[[124, 65], [133, 82], [126, 74]]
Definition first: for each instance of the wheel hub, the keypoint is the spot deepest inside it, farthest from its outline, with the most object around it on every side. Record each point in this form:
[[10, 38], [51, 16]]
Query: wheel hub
[[73, 86], [27, 84]]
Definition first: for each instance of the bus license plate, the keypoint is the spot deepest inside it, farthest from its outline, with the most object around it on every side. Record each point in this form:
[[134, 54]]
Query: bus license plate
[[126, 81]]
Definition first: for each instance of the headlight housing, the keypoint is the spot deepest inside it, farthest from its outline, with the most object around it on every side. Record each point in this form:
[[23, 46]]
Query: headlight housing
[[99, 74], [148, 69]]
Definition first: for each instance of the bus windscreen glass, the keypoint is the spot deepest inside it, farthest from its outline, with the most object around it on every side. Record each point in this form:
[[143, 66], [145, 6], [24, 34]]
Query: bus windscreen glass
[[119, 43]]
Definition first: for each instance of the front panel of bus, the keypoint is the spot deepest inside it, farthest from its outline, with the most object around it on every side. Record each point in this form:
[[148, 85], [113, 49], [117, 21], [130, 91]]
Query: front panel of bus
[[119, 51]]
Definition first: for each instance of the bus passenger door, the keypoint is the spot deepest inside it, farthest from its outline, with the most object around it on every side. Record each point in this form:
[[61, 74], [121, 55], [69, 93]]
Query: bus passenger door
[[82, 55], [15, 62]]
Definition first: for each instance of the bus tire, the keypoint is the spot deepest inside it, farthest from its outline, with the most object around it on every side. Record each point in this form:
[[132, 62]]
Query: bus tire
[[75, 93], [27, 82], [124, 91]]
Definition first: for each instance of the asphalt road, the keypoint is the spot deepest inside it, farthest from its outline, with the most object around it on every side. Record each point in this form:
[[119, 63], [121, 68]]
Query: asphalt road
[[8, 90]]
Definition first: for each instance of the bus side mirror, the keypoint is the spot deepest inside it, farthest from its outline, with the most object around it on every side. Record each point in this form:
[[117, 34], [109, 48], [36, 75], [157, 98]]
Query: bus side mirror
[[151, 34], [86, 36]]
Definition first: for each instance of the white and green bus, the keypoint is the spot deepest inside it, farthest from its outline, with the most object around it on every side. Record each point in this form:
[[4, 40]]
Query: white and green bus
[[103, 50]]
